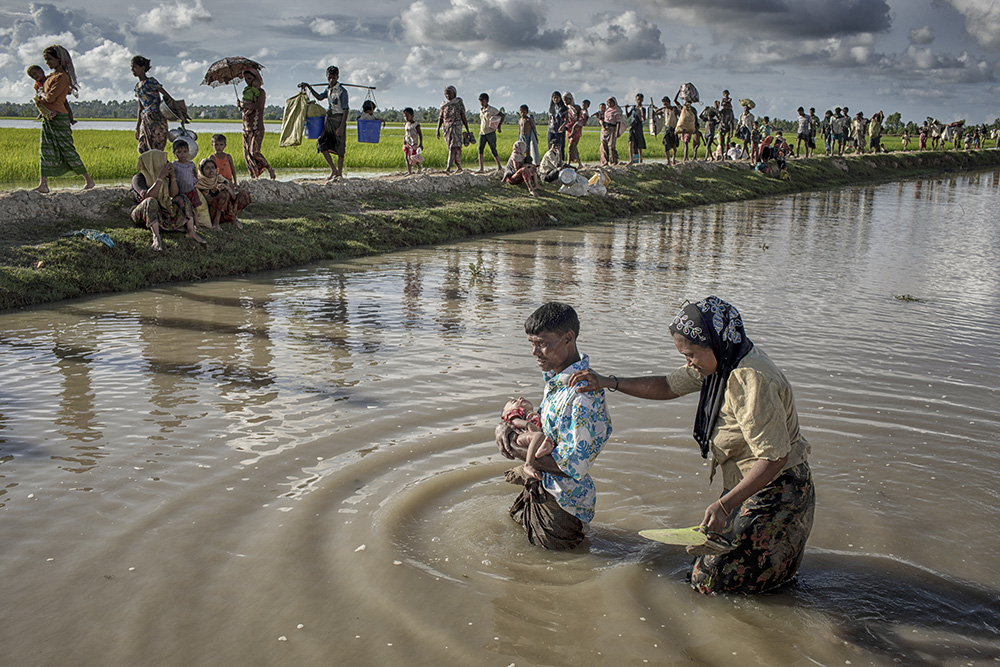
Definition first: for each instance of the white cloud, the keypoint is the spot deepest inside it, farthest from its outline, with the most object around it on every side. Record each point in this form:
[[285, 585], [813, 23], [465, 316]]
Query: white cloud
[[757, 55], [922, 36], [364, 72], [30, 50], [165, 17], [982, 20], [500, 23], [485, 61], [107, 60], [686, 53], [324, 27], [616, 38]]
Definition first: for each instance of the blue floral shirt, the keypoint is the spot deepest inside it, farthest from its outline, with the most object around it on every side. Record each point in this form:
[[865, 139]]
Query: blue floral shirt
[[148, 92], [579, 425]]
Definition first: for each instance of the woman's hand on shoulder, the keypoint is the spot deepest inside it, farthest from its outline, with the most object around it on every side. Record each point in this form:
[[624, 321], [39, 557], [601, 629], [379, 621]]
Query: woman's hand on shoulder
[[591, 379]]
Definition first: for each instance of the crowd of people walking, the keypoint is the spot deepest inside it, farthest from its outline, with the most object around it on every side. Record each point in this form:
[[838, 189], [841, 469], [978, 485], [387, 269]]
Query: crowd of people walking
[[185, 192]]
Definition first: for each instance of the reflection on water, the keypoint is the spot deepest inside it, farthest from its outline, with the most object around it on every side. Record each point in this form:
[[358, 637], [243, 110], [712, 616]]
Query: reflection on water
[[297, 468]]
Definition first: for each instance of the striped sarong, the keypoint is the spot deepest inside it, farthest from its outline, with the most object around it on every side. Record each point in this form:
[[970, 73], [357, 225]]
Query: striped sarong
[[58, 155]]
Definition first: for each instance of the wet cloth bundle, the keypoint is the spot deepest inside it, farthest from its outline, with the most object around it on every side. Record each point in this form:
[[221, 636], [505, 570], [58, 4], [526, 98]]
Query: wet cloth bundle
[[546, 524]]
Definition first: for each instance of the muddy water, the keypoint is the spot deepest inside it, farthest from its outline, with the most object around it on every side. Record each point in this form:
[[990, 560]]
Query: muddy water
[[297, 468]]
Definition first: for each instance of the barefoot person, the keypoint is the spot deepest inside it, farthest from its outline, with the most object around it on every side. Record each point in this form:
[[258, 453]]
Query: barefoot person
[[333, 140], [556, 509], [160, 205], [58, 154], [254, 100], [150, 123], [747, 418], [451, 120]]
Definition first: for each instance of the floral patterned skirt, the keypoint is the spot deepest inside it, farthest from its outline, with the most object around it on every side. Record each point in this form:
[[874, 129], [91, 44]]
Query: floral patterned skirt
[[769, 530]]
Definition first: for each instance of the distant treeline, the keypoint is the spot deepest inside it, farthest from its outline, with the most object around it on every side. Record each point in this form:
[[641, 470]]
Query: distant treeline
[[893, 123]]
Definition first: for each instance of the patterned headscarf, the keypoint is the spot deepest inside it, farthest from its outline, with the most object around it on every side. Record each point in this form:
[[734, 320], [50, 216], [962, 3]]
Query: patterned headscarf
[[67, 63], [715, 324]]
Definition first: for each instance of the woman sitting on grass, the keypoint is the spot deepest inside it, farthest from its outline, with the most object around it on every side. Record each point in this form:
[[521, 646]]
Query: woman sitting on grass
[[225, 201], [527, 173], [160, 206]]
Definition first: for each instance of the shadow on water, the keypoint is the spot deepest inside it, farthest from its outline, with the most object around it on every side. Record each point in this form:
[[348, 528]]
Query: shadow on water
[[882, 606], [897, 610]]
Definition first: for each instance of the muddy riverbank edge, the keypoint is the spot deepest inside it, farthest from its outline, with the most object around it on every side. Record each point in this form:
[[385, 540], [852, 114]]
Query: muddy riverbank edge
[[296, 223]]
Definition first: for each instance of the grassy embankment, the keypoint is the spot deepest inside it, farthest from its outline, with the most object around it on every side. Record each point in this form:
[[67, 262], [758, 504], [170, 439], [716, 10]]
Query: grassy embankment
[[110, 154], [325, 227]]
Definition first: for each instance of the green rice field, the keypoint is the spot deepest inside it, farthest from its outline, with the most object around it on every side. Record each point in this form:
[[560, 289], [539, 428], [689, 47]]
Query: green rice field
[[110, 155]]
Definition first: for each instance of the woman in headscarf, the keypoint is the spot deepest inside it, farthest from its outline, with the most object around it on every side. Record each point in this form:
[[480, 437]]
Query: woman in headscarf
[[58, 154], [160, 206], [150, 123], [746, 417], [558, 117], [516, 159], [451, 120], [252, 106]]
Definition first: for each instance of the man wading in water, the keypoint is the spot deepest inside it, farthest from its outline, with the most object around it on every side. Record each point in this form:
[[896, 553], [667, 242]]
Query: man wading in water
[[555, 510]]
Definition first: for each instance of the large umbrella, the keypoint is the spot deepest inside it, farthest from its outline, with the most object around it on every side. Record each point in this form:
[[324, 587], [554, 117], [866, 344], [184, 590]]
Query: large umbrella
[[228, 70]]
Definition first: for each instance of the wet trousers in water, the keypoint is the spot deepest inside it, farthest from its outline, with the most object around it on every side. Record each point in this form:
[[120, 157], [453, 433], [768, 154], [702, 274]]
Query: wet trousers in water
[[546, 523], [769, 530]]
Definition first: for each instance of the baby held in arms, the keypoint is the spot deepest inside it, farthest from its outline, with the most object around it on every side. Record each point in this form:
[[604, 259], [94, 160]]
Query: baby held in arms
[[520, 413]]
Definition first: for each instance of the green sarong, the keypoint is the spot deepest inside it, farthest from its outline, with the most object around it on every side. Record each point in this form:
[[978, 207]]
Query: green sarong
[[58, 155]]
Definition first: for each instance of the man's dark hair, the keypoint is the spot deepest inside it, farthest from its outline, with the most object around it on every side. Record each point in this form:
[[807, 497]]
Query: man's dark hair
[[484, 97], [553, 316]]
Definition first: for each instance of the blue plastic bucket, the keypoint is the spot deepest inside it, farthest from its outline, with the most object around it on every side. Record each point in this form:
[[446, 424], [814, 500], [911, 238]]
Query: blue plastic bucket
[[369, 131], [314, 126]]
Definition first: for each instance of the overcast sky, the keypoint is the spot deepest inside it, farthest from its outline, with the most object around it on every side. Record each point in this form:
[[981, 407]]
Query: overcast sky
[[919, 57]]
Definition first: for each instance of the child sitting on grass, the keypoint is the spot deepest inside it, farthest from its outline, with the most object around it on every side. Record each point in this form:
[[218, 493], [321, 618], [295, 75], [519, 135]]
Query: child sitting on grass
[[224, 201], [527, 173], [184, 170], [519, 413], [413, 142], [38, 74]]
